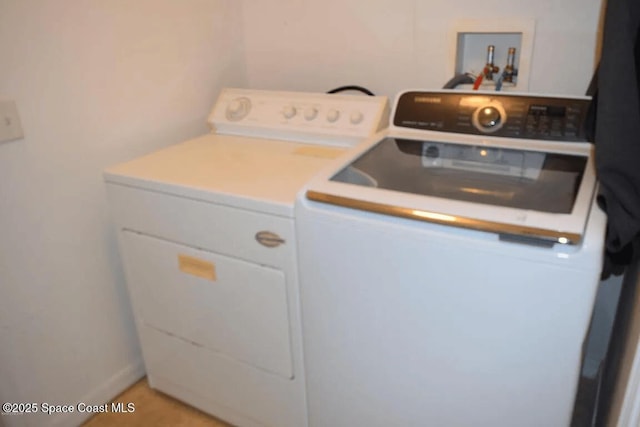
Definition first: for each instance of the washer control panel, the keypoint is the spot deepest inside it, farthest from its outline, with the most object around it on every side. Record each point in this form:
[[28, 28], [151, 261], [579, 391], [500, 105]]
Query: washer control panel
[[483, 113], [299, 116]]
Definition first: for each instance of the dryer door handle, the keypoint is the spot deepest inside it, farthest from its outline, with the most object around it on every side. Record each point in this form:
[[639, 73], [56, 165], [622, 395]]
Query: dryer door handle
[[269, 239]]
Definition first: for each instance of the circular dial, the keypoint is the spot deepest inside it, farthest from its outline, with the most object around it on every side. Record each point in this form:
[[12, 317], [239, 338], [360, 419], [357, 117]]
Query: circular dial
[[238, 109], [333, 115], [356, 117], [490, 117], [310, 113], [289, 111]]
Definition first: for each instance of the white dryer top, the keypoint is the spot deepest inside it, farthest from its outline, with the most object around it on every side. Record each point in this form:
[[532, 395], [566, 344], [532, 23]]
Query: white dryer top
[[250, 173]]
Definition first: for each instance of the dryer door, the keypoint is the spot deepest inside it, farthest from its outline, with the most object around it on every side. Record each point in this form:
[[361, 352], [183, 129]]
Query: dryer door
[[224, 304]]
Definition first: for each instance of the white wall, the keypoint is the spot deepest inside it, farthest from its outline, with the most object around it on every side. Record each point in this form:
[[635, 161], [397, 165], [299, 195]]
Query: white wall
[[96, 82], [390, 45]]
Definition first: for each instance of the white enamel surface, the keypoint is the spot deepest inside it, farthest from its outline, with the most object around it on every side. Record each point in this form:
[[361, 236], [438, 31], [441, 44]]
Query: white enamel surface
[[242, 314], [210, 197], [231, 347], [240, 396], [253, 173], [214, 194], [412, 323]]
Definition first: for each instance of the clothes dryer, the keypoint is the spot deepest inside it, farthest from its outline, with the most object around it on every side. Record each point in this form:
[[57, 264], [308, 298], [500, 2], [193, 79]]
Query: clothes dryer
[[207, 240]]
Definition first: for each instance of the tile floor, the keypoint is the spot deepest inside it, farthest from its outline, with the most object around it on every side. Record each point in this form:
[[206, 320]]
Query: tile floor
[[153, 409]]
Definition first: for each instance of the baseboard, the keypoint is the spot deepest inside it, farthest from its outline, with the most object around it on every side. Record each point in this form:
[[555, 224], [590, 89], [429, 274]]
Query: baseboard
[[102, 394]]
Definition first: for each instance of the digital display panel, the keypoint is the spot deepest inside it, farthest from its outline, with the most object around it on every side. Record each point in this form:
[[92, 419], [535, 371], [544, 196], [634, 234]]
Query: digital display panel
[[547, 110]]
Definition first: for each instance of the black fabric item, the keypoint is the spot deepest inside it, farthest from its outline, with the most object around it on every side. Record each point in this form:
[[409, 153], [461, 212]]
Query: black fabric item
[[617, 131]]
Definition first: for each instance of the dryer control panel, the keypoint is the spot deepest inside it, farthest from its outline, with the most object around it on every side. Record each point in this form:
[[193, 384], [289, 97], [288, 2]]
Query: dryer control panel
[[299, 116], [506, 115]]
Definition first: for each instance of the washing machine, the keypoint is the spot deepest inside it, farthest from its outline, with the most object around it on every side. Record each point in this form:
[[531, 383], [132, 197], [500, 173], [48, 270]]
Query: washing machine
[[448, 269], [207, 240]]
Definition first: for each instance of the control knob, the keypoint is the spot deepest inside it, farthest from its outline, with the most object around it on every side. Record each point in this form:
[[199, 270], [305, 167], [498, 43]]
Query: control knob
[[310, 113], [333, 115], [489, 118], [356, 117], [289, 111], [238, 109]]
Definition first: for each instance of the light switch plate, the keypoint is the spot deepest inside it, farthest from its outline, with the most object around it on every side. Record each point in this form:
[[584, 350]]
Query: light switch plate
[[10, 127]]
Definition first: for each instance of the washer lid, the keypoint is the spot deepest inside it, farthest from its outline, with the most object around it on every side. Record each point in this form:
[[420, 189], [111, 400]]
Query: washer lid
[[516, 178], [512, 189]]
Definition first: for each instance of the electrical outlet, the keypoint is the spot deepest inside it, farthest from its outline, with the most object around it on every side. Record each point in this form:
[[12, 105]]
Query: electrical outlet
[[10, 127]]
